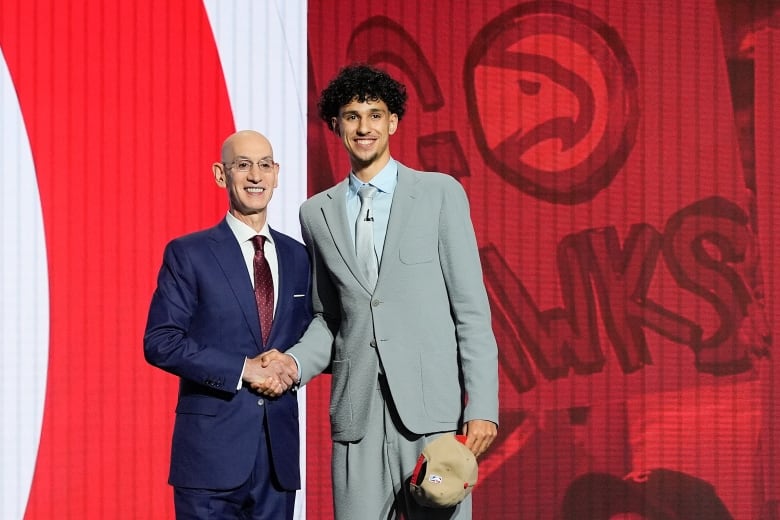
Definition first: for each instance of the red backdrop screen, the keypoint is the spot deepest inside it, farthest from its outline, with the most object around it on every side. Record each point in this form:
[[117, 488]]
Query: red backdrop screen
[[610, 153]]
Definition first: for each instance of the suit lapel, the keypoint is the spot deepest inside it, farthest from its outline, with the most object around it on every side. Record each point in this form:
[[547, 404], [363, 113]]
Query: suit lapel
[[285, 289], [228, 254], [403, 201], [334, 210]]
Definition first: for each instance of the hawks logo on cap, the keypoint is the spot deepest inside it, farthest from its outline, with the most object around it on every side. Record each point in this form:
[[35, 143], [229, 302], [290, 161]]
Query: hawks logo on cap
[[446, 472]]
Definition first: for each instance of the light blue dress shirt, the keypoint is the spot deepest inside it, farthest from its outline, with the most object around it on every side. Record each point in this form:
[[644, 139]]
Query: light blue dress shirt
[[385, 182]]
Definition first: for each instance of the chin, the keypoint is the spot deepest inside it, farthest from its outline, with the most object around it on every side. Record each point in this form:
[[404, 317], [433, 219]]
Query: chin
[[365, 162]]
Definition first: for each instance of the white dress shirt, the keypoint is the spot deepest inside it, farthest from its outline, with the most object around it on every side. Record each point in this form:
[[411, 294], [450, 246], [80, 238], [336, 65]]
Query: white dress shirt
[[244, 235]]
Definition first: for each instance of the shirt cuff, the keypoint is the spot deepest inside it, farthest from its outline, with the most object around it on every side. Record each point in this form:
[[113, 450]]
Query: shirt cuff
[[241, 377], [297, 384]]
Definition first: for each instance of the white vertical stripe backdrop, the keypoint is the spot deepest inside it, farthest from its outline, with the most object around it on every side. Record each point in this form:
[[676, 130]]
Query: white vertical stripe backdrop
[[262, 48], [24, 307]]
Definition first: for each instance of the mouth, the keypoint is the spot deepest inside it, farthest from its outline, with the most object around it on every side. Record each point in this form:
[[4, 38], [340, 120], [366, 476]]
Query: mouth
[[364, 142], [254, 190]]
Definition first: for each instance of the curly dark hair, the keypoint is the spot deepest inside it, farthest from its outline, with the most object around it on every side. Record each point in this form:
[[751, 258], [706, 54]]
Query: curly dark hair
[[362, 82]]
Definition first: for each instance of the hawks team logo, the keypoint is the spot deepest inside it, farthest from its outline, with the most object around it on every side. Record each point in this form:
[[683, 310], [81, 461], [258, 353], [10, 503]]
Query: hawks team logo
[[552, 100]]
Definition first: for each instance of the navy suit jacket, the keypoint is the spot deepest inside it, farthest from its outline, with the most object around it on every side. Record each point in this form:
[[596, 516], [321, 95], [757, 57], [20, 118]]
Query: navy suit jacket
[[202, 324]]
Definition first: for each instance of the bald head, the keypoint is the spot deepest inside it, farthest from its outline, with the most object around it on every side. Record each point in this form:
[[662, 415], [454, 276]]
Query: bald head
[[249, 174], [245, 139]]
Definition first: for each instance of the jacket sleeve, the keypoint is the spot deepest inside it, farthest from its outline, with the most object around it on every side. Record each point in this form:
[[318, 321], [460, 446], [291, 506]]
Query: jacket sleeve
[[314, 350], [462, 271], [180, 328]]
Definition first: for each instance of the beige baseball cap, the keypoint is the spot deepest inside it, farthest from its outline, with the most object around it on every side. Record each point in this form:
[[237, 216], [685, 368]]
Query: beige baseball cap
[[446, 472]]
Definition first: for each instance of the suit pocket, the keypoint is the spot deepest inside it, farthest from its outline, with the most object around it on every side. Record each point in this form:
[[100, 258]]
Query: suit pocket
[[340, 402], [441, 394], [418, 250], [198, 404]]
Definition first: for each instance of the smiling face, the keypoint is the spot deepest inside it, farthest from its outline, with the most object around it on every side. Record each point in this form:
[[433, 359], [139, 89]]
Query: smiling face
[[249, 192], [365, 129]]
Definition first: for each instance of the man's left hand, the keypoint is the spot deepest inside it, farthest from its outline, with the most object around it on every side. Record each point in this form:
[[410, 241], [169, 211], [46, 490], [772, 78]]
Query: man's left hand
[[479, 435]]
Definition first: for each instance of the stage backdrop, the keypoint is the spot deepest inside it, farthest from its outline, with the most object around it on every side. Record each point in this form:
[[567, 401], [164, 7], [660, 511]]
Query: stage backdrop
[[112, 114], [619, 160], [612, 153]]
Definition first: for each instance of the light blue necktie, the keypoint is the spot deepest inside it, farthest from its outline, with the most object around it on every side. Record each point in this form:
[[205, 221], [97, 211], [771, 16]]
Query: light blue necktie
[[364, 235]]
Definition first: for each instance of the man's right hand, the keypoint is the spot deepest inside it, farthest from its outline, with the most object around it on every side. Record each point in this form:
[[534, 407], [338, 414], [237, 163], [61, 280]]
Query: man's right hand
[[271, 357], [269, 375]]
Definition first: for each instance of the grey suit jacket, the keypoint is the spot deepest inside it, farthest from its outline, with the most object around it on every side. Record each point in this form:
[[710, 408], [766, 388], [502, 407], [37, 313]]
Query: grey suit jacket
[[428, 318]]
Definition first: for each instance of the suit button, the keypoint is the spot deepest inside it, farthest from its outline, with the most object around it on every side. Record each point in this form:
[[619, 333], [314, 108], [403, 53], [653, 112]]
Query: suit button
[[375, 303], [373, 343], [260, 402]]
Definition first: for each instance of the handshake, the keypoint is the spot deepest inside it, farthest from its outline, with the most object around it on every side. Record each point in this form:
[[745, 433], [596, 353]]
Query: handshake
[[271, 373]]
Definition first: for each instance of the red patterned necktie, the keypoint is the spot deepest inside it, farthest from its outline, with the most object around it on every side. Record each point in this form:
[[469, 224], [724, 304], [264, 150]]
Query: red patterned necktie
[[264, 288]]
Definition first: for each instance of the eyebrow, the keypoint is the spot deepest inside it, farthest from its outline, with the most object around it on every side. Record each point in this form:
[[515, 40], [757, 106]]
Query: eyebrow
[[370, 111], [266, 158]]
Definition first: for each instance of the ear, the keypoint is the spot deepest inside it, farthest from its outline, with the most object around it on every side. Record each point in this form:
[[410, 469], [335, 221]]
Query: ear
[[334, 125], [393, 123], [219, 174]]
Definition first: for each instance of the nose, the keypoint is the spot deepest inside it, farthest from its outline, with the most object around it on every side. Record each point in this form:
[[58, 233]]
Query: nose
[[363, 127], [255, 174]]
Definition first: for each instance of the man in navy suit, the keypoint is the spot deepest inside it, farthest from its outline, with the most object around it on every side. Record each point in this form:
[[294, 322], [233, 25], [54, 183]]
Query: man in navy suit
[[235, 442]]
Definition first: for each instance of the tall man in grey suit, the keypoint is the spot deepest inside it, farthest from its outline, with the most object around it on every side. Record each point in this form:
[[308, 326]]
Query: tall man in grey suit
[[412, 356]]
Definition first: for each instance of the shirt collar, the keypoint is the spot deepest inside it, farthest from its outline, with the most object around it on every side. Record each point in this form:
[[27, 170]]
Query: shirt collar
[[244, 233], [385, 181]]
